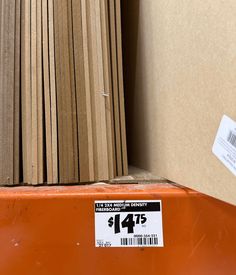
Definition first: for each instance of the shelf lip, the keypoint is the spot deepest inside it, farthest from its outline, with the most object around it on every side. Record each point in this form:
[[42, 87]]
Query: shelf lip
[[95, 190]]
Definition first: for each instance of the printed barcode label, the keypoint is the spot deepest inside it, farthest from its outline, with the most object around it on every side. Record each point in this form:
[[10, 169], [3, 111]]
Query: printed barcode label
[[224, 147], [128, 224], [139, 241], [232, 138]]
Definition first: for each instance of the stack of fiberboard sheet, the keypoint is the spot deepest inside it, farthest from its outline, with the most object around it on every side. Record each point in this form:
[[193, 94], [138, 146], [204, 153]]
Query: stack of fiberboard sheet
[[62, 117]]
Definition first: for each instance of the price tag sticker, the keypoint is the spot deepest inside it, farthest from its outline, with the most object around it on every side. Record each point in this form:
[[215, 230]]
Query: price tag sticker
[[128, 223], [224, 147]]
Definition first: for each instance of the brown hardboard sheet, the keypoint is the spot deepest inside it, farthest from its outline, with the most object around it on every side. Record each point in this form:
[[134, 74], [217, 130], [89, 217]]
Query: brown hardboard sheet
[[95, 92], [26, 91], [73, 104], [46, 91], [121, 86], [108, 87], [100, 94], [87, 90], [34, 97], [68, 151], [39, 94], [82, 93], [2, 80], [90, 79], [7, 91], [53, 95], [94, 78], [114, 66], [183, 57], [17, 94], [59, 80]]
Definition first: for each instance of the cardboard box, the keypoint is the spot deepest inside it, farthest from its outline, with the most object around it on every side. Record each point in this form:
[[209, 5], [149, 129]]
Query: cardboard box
[[180, 82]]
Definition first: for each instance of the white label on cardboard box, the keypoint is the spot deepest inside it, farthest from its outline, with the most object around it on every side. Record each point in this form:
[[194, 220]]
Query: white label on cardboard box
[[225, 143], [131, 223]]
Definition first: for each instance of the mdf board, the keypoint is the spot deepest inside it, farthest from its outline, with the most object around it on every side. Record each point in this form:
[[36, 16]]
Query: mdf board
[[108, 93], [9, 94], [26, 91], [67, 142], [34, 91], [17, 94], [36, 94], [53, 98], [39, 94], [59, 84], [100, 95], [84, 119], [115, 86], [96, 91], [121, 86], [73, 91], [182, 57], [7, 91], [47, 96]]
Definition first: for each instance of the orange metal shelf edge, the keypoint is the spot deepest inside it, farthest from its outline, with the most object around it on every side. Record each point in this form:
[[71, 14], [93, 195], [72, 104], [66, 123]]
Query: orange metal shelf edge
[[50, 230]]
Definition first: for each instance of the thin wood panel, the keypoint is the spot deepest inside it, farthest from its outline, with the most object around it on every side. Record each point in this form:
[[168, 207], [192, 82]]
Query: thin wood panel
[[67, 140], [34, 97], [39, 93], [17, 93], [47, 96], [26, 91], [82, 91], [108, 93], [100, 94], [73, 104], [7, 91], [53, 92], [121, 87], [115, 83], [92, 76]]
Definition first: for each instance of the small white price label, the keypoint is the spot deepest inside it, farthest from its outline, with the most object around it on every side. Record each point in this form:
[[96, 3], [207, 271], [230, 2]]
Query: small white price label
[[224, 147], [128, 223]]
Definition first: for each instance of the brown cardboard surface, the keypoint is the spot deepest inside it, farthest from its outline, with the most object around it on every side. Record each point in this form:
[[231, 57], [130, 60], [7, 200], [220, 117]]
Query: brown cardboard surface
[[182, 66]]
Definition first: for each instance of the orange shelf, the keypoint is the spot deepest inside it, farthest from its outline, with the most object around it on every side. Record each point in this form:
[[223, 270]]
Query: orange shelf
[[50, 230]]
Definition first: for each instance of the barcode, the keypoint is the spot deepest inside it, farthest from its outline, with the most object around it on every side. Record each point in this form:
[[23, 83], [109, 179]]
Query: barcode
[[232, 138], [139, 241]]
